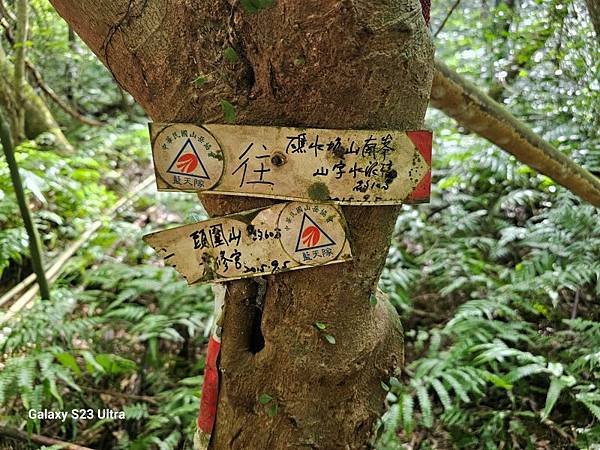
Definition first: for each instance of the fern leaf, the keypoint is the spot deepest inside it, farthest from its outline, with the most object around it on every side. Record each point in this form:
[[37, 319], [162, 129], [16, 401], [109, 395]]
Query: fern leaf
[[407, 413], [556, 387], [442, 393], [458, 388], [425, 405], [594, 409]]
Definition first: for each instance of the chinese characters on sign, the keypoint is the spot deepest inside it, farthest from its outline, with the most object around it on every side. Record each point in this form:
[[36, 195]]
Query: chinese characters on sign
[[363, 167], [287, 236]]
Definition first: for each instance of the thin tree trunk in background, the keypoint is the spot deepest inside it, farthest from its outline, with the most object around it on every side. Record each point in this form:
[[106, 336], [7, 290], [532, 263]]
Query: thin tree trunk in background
[[71, 69], [38, 118], [475, 110], [321, 63], [39, 82], [501, 27], [35, 248], [62, 104], [593, 7], [19, 69]]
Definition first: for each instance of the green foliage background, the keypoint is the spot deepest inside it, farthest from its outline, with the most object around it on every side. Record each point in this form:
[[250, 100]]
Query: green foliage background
[[497, 280]]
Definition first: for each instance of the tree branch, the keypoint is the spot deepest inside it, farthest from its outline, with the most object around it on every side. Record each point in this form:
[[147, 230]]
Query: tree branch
[[475, 110], [441, 27], [38, 439], [142, 398], [37, 77], [4, 12]]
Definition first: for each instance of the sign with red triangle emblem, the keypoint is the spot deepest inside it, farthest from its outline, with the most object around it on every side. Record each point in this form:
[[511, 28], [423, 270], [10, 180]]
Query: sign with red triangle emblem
[[280, 238], [345, 167], [312, 234], [188, 157]]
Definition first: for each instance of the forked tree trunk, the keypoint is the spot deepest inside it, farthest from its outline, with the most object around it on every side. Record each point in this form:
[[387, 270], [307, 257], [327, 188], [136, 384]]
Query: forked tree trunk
[[318, 63]]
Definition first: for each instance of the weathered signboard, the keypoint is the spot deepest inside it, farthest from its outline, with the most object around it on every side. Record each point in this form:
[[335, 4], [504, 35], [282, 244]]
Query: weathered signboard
[[348, 167], [287, 236]]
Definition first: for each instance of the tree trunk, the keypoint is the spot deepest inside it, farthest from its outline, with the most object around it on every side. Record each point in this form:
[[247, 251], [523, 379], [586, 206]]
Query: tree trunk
[[71, 69], [19, 73], [317, 63], [38, 118], [593, 7]]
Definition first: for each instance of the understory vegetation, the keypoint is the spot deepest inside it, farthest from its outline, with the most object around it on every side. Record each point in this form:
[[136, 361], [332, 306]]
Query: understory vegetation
[[497, 280]]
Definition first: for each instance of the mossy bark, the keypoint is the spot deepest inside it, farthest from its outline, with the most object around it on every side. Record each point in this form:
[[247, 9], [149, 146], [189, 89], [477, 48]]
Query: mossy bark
[[317, 63], [38, 118]]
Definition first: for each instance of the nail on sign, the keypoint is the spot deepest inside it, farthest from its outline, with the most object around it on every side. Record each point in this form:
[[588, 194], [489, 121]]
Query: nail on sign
[[283, 237], [348, 167]]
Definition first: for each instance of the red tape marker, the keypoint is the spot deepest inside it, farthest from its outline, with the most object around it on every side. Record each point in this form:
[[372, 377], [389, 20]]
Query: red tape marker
[[210, 388], [423, 142]]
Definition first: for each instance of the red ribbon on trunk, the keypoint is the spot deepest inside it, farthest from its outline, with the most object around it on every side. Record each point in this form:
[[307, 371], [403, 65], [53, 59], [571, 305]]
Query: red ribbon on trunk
[[210, 388]]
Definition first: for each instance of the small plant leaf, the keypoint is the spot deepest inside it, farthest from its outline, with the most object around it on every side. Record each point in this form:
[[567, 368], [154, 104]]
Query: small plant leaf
[[442, 393], [407, 403], [272, 410], [373, 300], [254, 6], [329, 338], [228, 111], [299, 62], [556, 387], [394, 382], [320, 325], [264, 399], [425, 404], [69, 361], [199, 82], [230, 55]]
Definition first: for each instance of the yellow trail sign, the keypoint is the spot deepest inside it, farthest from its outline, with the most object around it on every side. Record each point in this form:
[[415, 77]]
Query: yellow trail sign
[[286, 236], [347, 167]]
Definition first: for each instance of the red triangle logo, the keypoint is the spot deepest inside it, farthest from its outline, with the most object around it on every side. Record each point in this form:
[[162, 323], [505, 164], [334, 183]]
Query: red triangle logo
[[312, 236], [188, 162]]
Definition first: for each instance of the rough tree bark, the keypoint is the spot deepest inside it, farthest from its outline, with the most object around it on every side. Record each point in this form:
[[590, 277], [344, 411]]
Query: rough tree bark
[[319, 63]]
